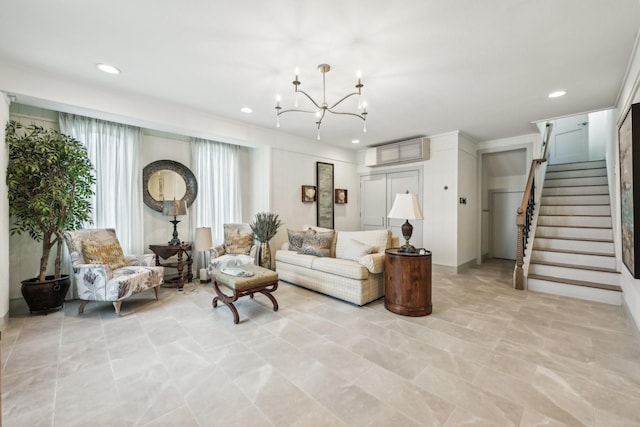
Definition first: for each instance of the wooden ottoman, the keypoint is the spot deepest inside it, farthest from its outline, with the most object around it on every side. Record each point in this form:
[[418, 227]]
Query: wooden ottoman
[[263, 280]]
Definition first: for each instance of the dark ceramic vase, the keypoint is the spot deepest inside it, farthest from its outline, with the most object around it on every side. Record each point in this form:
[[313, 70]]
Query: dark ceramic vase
[[45, 295]]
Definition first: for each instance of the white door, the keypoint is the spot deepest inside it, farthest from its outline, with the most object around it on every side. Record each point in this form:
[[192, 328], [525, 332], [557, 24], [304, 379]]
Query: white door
[[377, 194], [571, 140], [504, 233]]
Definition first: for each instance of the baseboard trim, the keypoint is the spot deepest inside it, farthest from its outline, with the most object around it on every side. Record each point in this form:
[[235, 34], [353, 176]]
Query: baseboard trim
[[447, 269]]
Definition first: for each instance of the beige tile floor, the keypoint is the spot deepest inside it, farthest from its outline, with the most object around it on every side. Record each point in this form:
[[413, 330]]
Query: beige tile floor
[[488, 356]]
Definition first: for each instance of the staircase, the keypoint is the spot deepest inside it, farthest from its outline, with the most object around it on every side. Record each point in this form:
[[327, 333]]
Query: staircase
[[573, 251]]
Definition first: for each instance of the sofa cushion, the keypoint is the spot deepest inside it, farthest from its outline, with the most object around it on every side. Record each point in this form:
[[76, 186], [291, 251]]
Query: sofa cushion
[[238, 239], [321, 229], [376, 238], [296, 238], [373, 262], [317, 243], [340, 267], [295, 258], [354, 250], [107, 252]]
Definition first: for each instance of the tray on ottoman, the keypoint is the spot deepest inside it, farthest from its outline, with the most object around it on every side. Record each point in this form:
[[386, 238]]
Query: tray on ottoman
[[261, 280]]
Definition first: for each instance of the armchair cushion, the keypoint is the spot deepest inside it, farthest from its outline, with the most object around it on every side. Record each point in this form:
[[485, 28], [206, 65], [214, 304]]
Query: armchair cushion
[[238, 238], [109, 253]]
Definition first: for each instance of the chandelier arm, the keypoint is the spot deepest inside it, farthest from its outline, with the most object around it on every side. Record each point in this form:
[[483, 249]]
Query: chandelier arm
[[348, 114], [310, 98], [297, 110], [319, 122], [343, 98]]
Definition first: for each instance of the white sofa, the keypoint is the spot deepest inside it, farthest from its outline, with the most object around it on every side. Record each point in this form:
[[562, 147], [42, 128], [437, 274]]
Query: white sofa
[[346, 274]]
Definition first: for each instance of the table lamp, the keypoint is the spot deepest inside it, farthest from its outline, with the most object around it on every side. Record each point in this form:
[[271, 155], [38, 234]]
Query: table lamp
[[174, 208], [406, 206], [203, 243]]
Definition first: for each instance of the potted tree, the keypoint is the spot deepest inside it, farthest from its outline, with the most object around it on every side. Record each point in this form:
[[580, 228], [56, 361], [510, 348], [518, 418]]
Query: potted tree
[[50, 184], [264, 227]]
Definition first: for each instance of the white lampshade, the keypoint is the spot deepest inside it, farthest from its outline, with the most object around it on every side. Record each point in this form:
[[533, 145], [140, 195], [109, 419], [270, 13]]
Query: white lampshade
[[203, 239], [406, 206]]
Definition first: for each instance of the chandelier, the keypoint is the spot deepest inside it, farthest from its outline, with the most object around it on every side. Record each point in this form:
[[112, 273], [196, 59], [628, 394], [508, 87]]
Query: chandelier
[[322, 108]]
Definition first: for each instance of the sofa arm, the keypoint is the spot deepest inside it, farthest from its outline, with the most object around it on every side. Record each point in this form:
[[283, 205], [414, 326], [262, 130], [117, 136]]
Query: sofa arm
[[285, 246], [373, 262]]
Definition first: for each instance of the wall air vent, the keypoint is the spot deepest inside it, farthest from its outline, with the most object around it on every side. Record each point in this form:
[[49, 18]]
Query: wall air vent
[[410, 150]]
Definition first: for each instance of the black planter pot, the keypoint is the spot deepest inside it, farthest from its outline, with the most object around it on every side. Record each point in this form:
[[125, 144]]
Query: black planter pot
[[42, 296]]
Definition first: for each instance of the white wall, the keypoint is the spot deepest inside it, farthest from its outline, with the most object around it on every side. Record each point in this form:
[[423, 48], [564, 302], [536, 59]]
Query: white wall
[[630, 94], [4, 217], [292, 169]]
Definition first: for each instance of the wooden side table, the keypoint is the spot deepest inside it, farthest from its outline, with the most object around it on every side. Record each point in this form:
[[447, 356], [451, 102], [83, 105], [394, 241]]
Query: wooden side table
[[183, 253], [407, 283]]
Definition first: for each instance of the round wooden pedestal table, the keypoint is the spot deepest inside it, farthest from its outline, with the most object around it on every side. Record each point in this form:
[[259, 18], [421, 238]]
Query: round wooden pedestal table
[[407, 283]]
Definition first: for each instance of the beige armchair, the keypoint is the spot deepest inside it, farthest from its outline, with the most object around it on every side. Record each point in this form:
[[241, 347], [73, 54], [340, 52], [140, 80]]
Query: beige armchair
[[104, 273], [237, 249]]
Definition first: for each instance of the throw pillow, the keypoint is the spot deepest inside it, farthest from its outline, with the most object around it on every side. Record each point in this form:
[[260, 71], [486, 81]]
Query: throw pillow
[[354, 250], [107, 252], [296, 238], [237, 240], [316, 243]]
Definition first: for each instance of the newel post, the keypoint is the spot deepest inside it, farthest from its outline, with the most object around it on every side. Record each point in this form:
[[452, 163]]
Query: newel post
[[519, 277]]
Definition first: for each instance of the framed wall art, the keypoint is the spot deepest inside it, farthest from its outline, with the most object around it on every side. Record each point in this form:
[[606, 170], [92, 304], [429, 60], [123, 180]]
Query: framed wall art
[[309, 193], [629, 144], [324, 180], [340, 196]]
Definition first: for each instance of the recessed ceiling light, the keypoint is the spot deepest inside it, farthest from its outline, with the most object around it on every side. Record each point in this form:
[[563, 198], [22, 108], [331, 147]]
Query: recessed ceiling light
[[246, 110], [355, 141], [557, 94], [108, 68]]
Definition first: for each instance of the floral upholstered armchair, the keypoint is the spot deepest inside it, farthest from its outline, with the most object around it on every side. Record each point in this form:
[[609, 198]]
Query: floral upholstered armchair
[[238, 248], [104, 273]]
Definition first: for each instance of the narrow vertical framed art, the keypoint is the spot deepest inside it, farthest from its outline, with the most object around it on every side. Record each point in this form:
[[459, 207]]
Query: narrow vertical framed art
[[628, 137], [324, 182]]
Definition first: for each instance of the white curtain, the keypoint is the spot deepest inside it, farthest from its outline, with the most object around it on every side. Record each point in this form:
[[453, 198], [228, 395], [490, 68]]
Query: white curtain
[[115, 150], [216, 166]]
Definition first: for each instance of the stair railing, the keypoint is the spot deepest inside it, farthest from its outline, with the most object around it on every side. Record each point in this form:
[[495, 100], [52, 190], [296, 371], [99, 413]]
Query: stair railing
[[524, 215]]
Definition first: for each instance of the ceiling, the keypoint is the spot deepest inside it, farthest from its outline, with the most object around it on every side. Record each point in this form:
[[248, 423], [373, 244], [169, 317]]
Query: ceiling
[[428, 66]]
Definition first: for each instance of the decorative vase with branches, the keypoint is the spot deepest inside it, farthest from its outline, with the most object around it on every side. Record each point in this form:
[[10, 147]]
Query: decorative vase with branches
[[264, 226], [50, 184]]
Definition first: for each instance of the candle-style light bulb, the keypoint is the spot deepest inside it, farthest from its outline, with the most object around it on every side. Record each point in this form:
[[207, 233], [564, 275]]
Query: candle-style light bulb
[[359, 86], [364, 113], [318, 134], [295, 84]]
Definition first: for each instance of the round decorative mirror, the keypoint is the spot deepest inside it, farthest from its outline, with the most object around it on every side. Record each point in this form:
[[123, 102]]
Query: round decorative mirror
[[167, 180]]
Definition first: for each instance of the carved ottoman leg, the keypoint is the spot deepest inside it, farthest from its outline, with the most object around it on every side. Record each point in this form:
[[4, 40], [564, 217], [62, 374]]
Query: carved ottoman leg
[[156, 289], [267, 293], [83, 304], [117, 305]]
